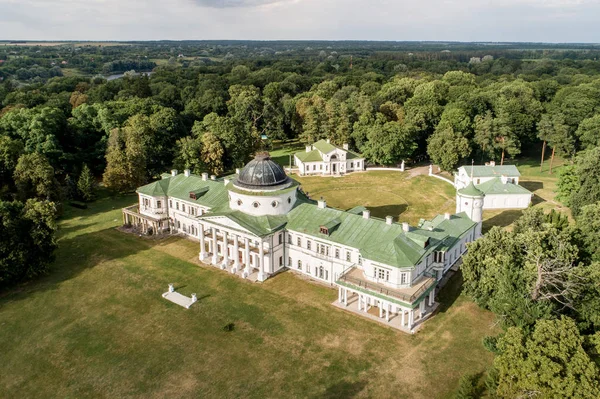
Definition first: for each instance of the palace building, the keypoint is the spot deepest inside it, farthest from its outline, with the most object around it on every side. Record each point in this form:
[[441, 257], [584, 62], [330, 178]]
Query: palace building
[[323, 158], [258, 223]]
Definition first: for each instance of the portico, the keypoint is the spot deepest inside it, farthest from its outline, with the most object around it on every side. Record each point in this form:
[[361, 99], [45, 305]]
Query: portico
[[389, 311], [231, 251]]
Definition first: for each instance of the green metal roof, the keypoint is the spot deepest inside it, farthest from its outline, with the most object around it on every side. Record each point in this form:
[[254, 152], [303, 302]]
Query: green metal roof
[[471, 191], [180, 186], [311, 156], [324, 146], [495, 186], [492, 171]]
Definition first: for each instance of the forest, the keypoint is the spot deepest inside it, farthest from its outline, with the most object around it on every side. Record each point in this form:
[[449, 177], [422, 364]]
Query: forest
[[65, 128]]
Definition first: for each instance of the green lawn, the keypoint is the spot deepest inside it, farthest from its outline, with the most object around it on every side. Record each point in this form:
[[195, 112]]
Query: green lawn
[[98, 327], [385, 193]]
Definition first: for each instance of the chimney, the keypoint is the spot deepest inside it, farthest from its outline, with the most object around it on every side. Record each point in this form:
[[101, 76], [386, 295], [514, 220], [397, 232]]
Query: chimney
[[173, 172], [328, 141], [308, 148], [504, 179], [405, 227], [186, 173], [345, 146], [237, 171], [492, 163], [447, 216], [389, 219], [205, 176], [366, 214], [322, 203], [226, 181], [213, 177]]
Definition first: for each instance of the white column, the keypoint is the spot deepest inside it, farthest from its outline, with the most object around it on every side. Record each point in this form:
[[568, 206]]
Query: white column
[[366, 308], [411, 318], [261, 261], [380, 309], [214, 246], [202, 243], [432, 297], [345, 296], [387, 312], [236, 254], [247, 254], [225, 250], [340, 294], [422, 308], [403, 318]]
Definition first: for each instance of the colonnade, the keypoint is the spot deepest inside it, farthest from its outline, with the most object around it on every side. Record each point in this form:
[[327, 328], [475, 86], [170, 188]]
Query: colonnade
[[387, 309], [245, 265]]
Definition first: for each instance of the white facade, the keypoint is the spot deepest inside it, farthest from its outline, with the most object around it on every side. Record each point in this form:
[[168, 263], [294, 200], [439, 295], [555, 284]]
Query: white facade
[[250, 238], [322, 158]]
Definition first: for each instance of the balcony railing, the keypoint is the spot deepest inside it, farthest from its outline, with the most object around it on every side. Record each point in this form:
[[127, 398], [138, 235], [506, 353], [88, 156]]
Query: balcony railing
[[378, 288]]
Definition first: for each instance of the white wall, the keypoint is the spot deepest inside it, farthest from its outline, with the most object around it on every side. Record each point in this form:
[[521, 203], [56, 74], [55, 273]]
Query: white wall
[[264, 204], [506, 201]]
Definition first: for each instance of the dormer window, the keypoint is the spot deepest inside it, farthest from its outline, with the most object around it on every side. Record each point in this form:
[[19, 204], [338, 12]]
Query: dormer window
[[324, 230]]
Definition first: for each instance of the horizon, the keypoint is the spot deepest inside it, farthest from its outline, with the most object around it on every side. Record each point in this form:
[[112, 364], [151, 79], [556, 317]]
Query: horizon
[[504, 21]]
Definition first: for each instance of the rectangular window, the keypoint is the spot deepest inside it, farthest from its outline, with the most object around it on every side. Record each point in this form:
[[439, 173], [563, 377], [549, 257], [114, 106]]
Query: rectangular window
[[280, 261], [158, 204], [177, 205], [299, 241], [348, 256], [308, 245], [289, 238], [403, 278], [382, 274], [280, 238], [290, 261], [299, 264], [359, 260], [351, 165], [182, 207], [337, 253], [171, 204]]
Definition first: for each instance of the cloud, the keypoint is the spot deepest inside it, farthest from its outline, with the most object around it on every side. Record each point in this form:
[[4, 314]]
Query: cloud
[[238, 3]]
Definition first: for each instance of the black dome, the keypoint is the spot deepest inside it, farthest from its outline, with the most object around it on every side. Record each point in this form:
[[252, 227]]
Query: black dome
[[261, 172]]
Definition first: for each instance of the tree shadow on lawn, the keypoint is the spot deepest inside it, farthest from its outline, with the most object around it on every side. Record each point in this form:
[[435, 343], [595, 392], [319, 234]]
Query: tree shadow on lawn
[[388, 210], [502, 219], [532, 185], [78, 254], [450, 292], [344, 389]]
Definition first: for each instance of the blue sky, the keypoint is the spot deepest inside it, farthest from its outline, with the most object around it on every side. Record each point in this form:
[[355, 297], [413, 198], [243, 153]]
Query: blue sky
[[464, 20]]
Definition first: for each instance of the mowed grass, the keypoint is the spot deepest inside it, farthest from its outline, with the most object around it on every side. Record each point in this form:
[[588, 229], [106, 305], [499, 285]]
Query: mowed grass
[[97, 326], [385, 193]]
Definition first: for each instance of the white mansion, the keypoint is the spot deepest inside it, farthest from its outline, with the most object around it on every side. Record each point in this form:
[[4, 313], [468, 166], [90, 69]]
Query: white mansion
[[499, 184], [258, 223], [324, 158]]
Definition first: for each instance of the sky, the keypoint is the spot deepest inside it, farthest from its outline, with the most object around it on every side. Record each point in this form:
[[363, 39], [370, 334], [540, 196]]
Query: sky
[[439, 20]]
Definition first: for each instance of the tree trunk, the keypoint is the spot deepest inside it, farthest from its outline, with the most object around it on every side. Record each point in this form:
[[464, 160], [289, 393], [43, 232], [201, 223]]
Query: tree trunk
[[551, 160], [543, 150], [502, 160]]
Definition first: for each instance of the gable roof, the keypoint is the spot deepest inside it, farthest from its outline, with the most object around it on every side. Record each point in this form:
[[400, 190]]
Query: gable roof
[[495, 186], [324, 146], [311, 156], [492, 171]]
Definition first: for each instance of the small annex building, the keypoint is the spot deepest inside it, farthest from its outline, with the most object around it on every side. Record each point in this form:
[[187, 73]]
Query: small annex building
[[259, 222], [498, 184], [323, 158]]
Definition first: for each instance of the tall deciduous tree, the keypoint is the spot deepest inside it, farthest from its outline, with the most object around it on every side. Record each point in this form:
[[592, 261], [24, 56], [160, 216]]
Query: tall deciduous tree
[[212, 153], [551, 362], [447, 147], [34, 177]]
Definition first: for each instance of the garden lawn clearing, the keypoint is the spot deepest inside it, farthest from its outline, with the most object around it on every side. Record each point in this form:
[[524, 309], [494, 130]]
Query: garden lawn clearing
[[97, 326]]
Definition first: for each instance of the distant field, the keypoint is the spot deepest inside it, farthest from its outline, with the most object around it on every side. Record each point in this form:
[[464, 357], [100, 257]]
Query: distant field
[[98, 327]]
